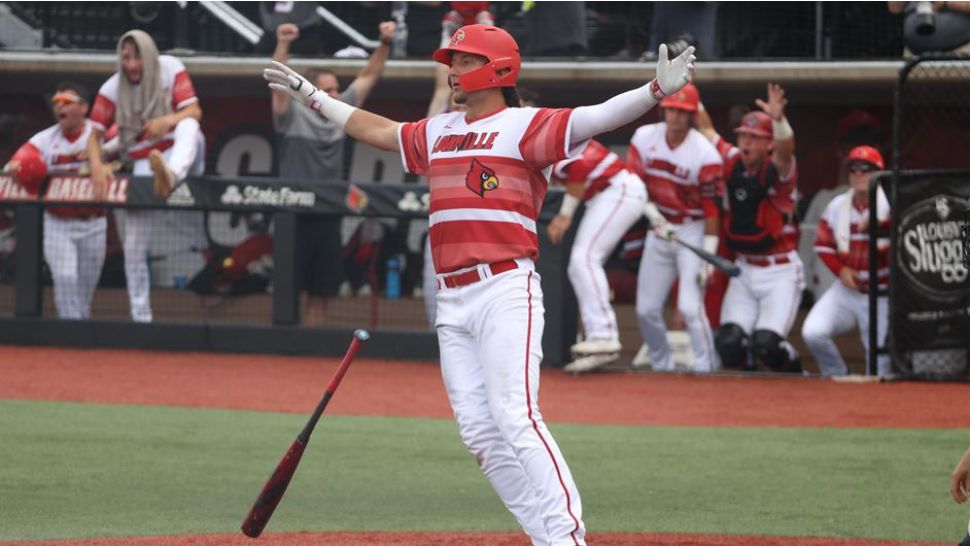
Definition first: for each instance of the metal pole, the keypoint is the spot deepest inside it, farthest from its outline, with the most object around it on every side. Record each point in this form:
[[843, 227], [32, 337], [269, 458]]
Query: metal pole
[[818, 30]]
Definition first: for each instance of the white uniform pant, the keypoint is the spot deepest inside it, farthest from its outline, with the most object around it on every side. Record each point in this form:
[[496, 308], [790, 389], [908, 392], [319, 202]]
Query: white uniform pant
[[836, 312], [662, 262], [185, 157], [74, 249], [608, 216], [765, 298], [490, 336]]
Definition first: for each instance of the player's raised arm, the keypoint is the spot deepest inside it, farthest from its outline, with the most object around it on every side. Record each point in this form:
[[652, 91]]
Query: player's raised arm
[[364, 126], [589, 121], [782, 133]]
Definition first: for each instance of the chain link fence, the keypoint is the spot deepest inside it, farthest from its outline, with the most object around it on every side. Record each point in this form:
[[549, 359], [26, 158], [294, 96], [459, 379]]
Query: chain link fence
[[929, 289]]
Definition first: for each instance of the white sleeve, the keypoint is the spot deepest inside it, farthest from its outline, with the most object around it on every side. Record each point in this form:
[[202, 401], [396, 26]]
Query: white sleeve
[[589, 121]]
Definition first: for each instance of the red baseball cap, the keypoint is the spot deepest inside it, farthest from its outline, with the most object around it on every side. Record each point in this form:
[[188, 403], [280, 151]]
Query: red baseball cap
[[755, 123], [685, 99], [866, 154]]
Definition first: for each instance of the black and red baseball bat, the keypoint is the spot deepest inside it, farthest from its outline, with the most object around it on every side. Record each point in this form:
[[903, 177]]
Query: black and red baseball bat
[[724, 264], [275, 487]]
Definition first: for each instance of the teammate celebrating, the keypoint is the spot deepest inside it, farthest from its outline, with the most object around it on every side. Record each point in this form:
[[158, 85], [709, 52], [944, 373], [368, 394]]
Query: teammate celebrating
[[760, 304], [842, 242], [684, 177], [485, 169], [152, 99], [74, 237], [614, 200]]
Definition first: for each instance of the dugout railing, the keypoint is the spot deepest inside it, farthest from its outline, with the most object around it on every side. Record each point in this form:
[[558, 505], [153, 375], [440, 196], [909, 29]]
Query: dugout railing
[[273, 322]]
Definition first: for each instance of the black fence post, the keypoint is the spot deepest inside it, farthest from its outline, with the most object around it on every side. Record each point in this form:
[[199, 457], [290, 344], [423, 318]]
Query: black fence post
[[562, 314], [30, 242], [286, 292]]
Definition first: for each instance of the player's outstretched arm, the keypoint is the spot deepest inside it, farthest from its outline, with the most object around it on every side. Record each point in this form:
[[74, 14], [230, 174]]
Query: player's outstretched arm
[[784, 136], [589, 121], [364, 126]]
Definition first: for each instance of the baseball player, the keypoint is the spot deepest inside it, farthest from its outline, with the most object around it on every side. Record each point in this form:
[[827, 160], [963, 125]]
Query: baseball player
[[614, 199], [842, 243], [486, 169], [74, 237], [760, 305], [683, 173], [154, 104]]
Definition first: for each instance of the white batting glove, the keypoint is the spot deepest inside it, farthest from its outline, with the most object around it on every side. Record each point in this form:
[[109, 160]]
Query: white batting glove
[[283, 78], [672, 75]]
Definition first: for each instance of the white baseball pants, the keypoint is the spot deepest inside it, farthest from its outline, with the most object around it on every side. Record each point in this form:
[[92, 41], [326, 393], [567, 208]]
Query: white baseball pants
[[186, 156], [608, 216], [765, 297], [490, 336], [74, 249], [836, 312], [662, 262]]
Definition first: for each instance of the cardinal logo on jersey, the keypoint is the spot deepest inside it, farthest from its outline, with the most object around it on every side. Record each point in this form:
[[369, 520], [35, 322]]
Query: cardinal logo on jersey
[[480, 178]]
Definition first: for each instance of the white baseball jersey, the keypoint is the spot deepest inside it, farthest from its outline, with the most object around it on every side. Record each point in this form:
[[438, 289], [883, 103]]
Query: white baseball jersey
[[684, 183], [62, 154], [179, 92], [487, 186]]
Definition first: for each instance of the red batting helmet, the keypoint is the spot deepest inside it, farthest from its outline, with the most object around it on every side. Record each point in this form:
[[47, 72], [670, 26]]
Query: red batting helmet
[[755, 123], [866, 154], [494, 44], [685, 99], [31, 170]]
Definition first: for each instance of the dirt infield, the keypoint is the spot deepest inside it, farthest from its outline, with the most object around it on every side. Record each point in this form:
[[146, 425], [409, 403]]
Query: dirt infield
[[374, 387], [463, 539]]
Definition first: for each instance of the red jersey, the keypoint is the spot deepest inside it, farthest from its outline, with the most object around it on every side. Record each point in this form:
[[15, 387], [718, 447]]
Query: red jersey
[[487, 180], [854, 252], [760, 205], [685, 182], [594, 168]]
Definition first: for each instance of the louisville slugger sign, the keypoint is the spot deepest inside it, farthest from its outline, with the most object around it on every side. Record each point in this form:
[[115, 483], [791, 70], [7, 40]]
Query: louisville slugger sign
[[929, 288]]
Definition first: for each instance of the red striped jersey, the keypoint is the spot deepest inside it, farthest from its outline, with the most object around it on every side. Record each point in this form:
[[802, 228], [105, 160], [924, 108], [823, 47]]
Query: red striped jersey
[[486, 179], [685, 182], [593, 168], [781, 193], [178, 91], [857, 256], [64, 154]]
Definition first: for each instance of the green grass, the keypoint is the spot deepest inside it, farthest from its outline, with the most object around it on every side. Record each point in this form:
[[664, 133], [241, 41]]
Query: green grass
[[81, 470]]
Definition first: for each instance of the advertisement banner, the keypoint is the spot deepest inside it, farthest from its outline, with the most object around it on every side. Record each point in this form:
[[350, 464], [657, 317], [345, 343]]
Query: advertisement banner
[[929, 285]]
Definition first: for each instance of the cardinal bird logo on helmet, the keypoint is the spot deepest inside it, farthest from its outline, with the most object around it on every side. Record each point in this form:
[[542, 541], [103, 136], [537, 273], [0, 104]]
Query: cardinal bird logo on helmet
[[480, 178]]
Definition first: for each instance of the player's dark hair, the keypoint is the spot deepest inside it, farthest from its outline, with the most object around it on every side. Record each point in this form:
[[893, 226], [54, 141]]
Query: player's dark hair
[[74, 86], [511, 96], [527, 95]]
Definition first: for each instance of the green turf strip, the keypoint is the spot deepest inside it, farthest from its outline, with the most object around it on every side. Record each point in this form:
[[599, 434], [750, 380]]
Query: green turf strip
[[78, 470]]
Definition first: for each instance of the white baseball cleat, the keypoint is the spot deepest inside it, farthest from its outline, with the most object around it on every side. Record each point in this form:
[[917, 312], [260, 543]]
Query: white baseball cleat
[[682, 352], [642, 360], [589, 363], [596, 346]]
